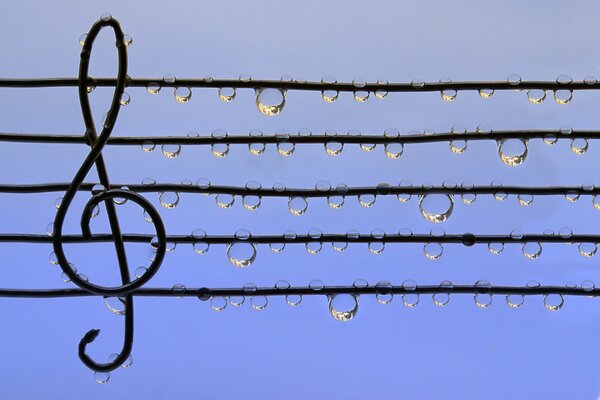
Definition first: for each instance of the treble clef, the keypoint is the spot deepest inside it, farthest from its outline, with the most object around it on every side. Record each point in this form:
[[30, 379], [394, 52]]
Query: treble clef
[[97, 142]]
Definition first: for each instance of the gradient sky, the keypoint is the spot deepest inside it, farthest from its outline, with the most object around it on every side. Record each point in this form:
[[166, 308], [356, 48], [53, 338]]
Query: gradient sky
[[182, 347]]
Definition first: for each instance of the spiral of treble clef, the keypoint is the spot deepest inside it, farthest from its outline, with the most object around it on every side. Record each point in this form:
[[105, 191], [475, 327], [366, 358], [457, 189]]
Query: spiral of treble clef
[[96, 143]]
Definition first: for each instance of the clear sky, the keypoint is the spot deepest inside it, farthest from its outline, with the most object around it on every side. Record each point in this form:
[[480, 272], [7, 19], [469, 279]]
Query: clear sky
[[182, 347]]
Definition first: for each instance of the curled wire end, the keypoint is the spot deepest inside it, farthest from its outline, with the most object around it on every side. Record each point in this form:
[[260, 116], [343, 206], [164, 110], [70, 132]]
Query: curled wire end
[[90, 336]]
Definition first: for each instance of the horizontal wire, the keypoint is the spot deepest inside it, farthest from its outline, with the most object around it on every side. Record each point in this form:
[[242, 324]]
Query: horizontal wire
[[301, 139], [312, 193], [466, 238], [206, 293], [306, 86]]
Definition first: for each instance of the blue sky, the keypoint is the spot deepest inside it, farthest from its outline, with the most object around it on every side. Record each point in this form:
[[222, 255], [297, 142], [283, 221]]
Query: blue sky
[[184, 348]]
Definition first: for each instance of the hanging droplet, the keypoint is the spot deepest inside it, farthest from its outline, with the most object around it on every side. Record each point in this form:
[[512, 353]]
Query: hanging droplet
[[227, 95], [241, 254], [314, 247], [182, 94], [515, 300], [252, 202], [404, 197], [499, 195], [596, 202], [525, 199], [236, 301], [442, 299], [219, 150], [148, 146], [329, 95], [126, 364], [153, 87], [343, 307], [436, 208], [218, 303], [410, 300], [381, 93], [448, 94], [115, 304], [553, 302], [168, 200], [256, 148], [259, 303], [367, 200], [513, 152], [384, 292], [486, 93], [536, 96], [277, 247], [377, 247], [284, 147], [297, 205], [458, 146], [337, 201], [270, 101], [483, 299], [333, 148], [587, 249], [563, 96], [433, 251], [531, 250], [579, 146], [468, 198], [339, 246], [127, 40], [225, 200], [125, 99], [101, 377], [200, 246], [140, 271], [360, 95], [171, 150], [82, 39], [495, 248]]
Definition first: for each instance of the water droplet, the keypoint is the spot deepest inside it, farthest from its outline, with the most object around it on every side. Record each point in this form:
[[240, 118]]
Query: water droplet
[[127, 40], [252, 202], [329, 95], [360, 95], [536, 96], [343, 307], [225, 200], [53, 259], [115, 304], [596, 203], [333, 148], [468, 198], [553, 302], [590, 80], [410, 300], [169, 79], [227, 95], [436, 207], [270, 101], [339, 246], [525, 199], [448, 94], [277, 247], [297, 205], [148, 146], [442, 299], [50, 229], [314, 247], [367, 200], [515, 300], [236, 301], [384, 292], [377, 247], [588, 285], [125, 99], [178, 290], [360, 283], [293, 300], [171, 150], [316, 285], [259, 303], [514, 79], [82, 39], [458, 146], [579, 146], [404, 197], [200, 246], [381, 93], [499, 195], [168, 200], [565, 232], [101, 377], [241, 254], [337, 201], [182, 94], [219, 150], [417, 83], [563, 96], [256, 148], [531, 250], [126, 364], [587, 249], [483, 299], [513, 152], [495, 248], [218, 303], [284, 148], [105, 17], [486, 93], [153, 87], [140, 271], [433, 251]]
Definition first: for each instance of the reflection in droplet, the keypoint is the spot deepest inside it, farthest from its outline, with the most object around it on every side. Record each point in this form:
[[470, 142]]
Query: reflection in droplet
[[525, 199], [536, 96], [171, 150], [515, 300], [486, 93], [297, 205], [168, 200], [153, 87], [256, 148], [241, 254], [236, 301], [572, 196], [360, 95], [553, 302], [270, 101], [579, 146], [225, 200], [563, 96], [495, 248], [436, 208], [360, 283], [367, 200], [377, 247], [293, 300], [448, 94], [550, 140], [458, 146], [587, 249], [513, 152], [259, 303], [125, 99], [227, 95], [468, 198], [82, 39], [329, 95], [148, 146], [531, 250], [182, 94], [433, 251], [218, 303], [343, 307]]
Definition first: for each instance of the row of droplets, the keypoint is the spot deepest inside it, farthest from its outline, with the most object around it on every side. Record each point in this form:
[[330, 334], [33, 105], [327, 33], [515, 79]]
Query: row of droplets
[[434, 207], [512, 152]]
